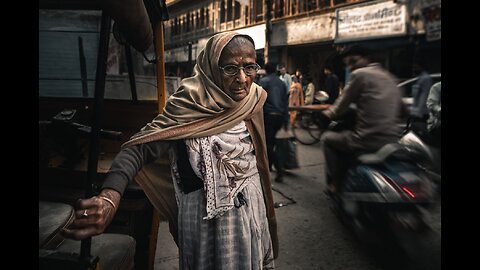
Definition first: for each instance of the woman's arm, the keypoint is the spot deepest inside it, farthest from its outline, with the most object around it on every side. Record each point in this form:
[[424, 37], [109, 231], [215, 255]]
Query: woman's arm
[[93, 215]]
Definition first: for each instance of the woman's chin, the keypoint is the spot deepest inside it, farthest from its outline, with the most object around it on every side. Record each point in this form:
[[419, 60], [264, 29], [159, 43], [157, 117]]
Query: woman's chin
[[238, 95]]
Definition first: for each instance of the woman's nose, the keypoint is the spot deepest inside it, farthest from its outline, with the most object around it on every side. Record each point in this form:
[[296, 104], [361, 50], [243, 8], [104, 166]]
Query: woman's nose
[[241, 76]]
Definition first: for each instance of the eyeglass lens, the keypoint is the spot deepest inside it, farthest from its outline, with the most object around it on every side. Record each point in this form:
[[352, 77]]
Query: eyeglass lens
[[233, 69]]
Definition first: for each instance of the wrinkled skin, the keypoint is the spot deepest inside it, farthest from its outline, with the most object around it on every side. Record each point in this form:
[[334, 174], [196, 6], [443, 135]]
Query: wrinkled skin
[[238, 86], [100, 214]]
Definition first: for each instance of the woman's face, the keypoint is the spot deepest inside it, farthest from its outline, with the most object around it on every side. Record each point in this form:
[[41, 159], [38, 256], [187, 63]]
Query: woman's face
[[237, 86]]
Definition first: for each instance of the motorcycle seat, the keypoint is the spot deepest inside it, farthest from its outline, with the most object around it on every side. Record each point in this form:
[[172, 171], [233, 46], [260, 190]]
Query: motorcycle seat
[[381, 155]]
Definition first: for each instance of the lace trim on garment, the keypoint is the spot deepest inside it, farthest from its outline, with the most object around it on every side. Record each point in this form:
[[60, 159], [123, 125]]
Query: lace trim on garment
[[175, 174], [226, 164]]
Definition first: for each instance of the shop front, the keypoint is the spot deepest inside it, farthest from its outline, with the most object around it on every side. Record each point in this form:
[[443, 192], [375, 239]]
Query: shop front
[[305, 44], [391, 30]]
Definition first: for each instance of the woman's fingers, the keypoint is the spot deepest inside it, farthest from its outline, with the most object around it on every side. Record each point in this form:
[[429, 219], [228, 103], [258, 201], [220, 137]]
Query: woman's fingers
[[90, 219], [89, 203]]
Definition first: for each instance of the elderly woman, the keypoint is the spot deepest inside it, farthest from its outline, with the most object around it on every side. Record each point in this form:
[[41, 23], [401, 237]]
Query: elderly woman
[[213, 133]]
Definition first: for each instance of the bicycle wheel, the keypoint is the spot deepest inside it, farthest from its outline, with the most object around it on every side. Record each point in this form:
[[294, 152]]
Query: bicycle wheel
[[305, 129], [316, 128]]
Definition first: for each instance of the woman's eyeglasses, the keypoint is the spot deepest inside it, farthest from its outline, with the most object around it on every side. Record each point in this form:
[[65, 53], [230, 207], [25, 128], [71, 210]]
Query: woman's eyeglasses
[[232, 70]]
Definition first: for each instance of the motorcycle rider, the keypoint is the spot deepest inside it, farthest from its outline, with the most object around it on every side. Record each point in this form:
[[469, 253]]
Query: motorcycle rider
[[374, 93]]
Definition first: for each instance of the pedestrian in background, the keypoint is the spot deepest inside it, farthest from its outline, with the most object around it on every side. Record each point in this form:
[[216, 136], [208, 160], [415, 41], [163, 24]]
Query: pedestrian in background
[[275, 112], [285, 77], [309, 91], [420, 90], [332, 86], [299, 75], [418, 110], [260, 74], [295, 98]]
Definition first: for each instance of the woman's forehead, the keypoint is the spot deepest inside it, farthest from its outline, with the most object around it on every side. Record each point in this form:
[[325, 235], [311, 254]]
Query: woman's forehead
[[237, 53]]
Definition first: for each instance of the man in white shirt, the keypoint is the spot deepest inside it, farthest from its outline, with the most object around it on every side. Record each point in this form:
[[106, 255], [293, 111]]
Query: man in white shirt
[[285, 77]]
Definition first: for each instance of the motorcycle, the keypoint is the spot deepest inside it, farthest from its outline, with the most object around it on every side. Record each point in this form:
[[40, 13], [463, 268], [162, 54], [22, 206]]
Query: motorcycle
[[387, 196]]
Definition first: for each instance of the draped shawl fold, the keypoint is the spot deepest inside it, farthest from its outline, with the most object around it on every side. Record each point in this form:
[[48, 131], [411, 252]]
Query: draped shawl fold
[[200, 108]]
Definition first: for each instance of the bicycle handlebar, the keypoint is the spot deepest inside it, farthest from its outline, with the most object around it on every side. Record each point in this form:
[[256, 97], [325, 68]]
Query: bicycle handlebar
[[313, 107]]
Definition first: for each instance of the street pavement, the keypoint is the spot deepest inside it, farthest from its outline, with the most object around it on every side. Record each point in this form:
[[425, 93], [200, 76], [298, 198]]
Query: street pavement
[[311, 236]]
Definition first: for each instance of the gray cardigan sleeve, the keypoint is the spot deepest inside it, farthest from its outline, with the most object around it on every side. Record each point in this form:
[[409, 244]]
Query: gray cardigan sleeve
[[129, 161]]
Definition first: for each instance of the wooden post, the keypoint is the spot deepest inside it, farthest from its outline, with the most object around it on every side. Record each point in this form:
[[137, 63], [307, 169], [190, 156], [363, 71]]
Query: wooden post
[[268, 30], [161, 85], [152, 244]]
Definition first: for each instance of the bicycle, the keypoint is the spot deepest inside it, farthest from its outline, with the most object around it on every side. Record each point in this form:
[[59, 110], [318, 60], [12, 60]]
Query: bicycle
[[307, 127]]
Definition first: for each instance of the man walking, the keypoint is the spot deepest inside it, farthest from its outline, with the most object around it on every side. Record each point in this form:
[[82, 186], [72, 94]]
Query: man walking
[[275, 112]]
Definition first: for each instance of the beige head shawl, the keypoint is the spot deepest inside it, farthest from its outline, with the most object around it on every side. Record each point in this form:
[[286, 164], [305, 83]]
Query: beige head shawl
[[200, 107]]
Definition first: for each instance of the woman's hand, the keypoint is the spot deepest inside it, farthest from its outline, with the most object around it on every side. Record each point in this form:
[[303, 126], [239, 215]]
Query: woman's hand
[[93, 215]]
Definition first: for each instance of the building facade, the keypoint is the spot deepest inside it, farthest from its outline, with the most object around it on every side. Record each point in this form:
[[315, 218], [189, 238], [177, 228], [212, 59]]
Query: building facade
[[305, 34]]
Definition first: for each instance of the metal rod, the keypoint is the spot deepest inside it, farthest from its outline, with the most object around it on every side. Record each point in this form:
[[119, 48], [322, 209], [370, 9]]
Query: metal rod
[[97, 114], [131, 73], [83, 68]]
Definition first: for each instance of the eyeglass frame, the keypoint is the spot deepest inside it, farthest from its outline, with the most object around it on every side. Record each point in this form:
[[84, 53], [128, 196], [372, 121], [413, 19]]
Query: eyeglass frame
[[257, 67]]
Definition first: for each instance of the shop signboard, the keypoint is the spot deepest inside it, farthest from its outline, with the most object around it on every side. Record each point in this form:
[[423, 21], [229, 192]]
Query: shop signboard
[[432, 13], [304, 30], [371, 20]]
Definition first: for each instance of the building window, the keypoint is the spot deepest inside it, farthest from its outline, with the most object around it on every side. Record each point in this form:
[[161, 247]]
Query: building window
[[237, 11], [192, 21], [174, 26], [279, 7], [180, 25], [207, 18], [197, 22], [222, 11], [258, 10], [229, 10], [184, 24], [312, 5]]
